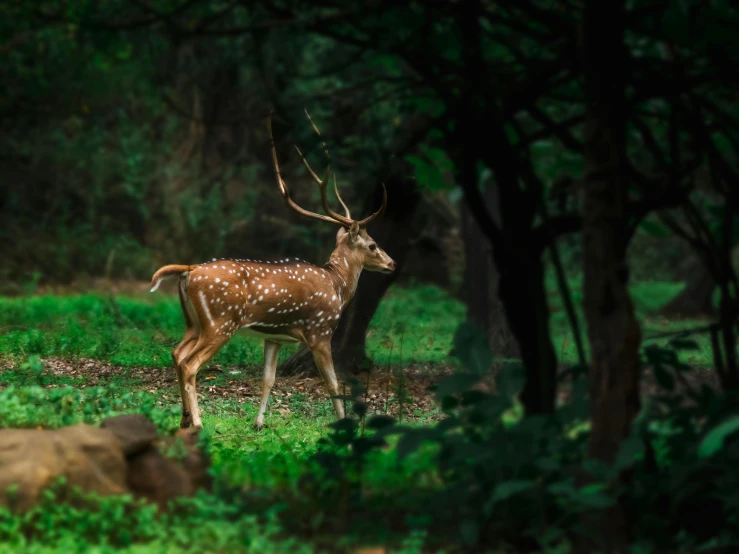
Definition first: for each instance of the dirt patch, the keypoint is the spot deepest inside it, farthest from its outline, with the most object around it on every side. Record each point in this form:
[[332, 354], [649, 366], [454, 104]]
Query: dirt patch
[[387, 389], [385, 386]]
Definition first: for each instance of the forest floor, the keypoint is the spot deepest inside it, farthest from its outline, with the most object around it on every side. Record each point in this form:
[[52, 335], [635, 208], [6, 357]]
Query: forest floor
[[403, 393], [94, 332], [105, 349]]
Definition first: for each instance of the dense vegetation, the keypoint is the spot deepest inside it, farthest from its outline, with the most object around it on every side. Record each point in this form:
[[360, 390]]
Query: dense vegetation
[[562, 208]]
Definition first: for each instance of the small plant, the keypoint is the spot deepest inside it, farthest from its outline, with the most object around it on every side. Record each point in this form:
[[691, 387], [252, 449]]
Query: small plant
[[31, 371]]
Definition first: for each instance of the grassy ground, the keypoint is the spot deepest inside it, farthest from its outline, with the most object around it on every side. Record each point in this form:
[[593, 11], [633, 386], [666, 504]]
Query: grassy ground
[[72, 358]]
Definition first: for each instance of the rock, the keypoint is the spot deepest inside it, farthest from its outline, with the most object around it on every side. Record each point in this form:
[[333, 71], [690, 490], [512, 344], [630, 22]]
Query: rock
[[135, 432], [86, 456], [195, 462], [158, 479], [123, 455], [173, 467]]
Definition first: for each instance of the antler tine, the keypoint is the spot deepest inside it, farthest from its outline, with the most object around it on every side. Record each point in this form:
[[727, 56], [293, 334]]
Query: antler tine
[[283, 186], [315, 128], [346, 209], [379, 212], [328, 157], [322, 188], [347, 222]]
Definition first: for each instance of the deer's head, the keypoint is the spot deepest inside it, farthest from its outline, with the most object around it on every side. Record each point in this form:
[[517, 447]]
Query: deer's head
[[352, 238], [363, 249]]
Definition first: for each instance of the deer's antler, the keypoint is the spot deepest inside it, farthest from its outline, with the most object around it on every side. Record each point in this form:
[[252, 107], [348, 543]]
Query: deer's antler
[[378, 213], [347, 213], [332, 216], [347, 222], [283, 186]]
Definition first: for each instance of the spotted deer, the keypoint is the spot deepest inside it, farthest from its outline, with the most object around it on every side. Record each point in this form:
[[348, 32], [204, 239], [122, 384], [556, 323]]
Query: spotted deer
[[284, 301]]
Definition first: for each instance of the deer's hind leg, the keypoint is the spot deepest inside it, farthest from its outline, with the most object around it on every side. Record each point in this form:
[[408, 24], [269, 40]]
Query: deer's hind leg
[[324, 361], [271, 350], [188, 342], [207, 346]]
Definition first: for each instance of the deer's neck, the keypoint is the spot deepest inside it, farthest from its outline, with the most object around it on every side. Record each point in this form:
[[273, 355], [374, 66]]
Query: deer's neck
[[344, 272]]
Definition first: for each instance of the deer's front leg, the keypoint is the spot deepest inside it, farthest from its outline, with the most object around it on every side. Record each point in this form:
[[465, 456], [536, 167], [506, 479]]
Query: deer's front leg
[[324, 361], [271, 349]]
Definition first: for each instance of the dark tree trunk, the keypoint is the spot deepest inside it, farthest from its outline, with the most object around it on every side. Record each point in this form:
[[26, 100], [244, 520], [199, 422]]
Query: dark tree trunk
[[393, 232], [481, 282], [522, 292], [696, 299], [613, 331], [516, 253], [520, 276]]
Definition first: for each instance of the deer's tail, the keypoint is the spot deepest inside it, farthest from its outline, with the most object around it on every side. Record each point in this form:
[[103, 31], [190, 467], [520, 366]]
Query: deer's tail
[[166, 272]]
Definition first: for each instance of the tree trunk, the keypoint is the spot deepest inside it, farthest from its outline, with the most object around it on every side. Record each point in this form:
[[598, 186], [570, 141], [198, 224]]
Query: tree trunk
[[613, 331], [393, 232], [696, 299], [481, 280], [516, 253]]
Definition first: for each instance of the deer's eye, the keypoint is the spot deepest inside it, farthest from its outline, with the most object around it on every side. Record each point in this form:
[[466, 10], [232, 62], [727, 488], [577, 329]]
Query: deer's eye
[[373, 247]]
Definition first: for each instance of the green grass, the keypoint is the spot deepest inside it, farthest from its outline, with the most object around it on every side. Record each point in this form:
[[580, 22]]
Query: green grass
[[648, 298], [411, 325]]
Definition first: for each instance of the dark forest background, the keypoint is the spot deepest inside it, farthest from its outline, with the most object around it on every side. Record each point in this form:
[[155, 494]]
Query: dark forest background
[[588, 143]]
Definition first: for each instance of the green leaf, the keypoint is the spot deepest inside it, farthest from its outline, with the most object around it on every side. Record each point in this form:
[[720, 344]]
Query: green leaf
[[428, 175], [359, 408], [472, 348], [411, 440], [470, 531], [562, 488], [598, 501], [592, 488], [508, 489], [631, 449], [714, 440], [665, 380], [438, 158], [684, 344], [510, 379], [387, 62], [655, 229], [455, 384], [547, 465], [380, 422]]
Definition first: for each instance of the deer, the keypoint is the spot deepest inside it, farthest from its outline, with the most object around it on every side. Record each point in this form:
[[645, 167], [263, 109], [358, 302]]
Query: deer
[[282, 302]]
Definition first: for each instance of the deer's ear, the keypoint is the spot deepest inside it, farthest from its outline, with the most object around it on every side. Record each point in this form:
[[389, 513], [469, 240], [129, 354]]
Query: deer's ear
[[354, 231], [340, 233]]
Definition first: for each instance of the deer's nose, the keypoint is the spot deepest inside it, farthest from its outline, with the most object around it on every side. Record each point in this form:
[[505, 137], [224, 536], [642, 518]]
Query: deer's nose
[[391, 265]]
